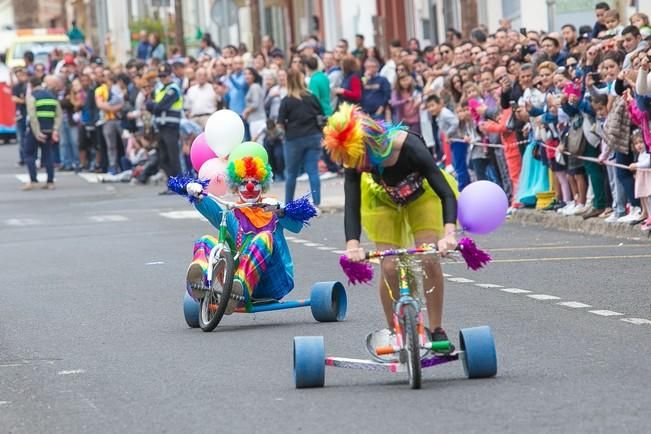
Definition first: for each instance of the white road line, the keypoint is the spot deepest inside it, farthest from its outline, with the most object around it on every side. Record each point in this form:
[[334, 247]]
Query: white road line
[[108, 218], [155, 263], [313, 244], [289, 238], [543, 297], [326, 248], [573, 304], [636, 321], [605, 313], [299, 241], [515, 290], [338, 252], [71, 372], [488, 285], [5, 402], [447, 275], [460, 280], [179, 215], [22, 222]]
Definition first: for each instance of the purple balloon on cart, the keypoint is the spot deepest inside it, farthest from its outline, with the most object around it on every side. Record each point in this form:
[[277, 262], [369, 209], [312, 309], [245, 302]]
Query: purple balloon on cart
[[482, 207]]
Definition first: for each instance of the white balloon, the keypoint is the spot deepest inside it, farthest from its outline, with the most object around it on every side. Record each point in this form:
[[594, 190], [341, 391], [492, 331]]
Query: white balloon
[[224, 131]]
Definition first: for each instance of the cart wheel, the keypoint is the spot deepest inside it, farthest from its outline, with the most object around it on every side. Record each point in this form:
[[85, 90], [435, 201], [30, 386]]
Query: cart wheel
[[479, 358], [328, 301], [309, 361], [190, 311]]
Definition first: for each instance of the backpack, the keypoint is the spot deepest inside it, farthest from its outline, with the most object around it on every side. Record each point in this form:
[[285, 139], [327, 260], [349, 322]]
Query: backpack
[[617, 127]]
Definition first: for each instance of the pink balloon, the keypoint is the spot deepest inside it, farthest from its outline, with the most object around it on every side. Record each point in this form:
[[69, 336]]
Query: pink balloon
[[212, 167], [217, 185], [200, 152]]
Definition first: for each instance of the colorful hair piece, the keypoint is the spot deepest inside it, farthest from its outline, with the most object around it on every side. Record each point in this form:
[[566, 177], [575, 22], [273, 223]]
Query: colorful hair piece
[[248, 167], [356, 140]]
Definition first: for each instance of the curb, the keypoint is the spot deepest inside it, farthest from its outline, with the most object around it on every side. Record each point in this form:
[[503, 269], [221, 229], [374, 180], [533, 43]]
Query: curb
[[593, 226]]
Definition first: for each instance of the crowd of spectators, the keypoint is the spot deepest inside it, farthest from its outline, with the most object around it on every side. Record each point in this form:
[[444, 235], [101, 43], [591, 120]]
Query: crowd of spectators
[[534, 112]]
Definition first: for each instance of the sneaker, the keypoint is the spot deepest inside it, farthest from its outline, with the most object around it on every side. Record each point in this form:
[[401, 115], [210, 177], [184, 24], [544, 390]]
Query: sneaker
[[327, 175], [558, 206], [606, 213], [634, 215], [29, 186], [194, 281], [48, 186], [237, 292], [612, 218], [303, 178], [592, 213], [579, 209], [439, 335], [551, 205], [567, 209]]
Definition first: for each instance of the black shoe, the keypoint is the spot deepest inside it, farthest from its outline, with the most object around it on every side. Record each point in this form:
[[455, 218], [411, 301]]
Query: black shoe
[[439, 335], [551, 205]]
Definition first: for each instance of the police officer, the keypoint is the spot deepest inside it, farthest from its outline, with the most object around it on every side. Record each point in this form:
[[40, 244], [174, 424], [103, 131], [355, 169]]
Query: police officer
[[45, 116], [166, 104]]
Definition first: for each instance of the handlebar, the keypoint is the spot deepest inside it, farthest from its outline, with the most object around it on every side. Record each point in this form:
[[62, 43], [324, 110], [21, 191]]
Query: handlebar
[[425, 249], [234, 205]]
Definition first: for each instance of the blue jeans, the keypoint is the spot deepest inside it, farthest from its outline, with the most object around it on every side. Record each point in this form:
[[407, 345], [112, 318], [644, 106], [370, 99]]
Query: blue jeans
[[459, 157], [303, 151], [47, 156], [69, 144], [480, 166], [21, 126], [626, 178]]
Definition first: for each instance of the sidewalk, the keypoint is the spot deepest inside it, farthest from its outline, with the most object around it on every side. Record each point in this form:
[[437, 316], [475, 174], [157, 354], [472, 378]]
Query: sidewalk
[[332, 193], [594, 226]]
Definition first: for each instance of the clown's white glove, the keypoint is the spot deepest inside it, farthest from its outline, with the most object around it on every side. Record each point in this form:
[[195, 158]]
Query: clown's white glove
[[194, 189], [271, 204]]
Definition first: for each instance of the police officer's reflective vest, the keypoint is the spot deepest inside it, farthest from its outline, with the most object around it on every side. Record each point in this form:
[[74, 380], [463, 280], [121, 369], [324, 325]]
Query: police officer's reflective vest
[[46, 109], [173, 114]]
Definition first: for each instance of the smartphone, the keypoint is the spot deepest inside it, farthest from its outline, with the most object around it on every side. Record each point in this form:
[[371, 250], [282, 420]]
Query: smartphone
[[523, 31], [596, 76]]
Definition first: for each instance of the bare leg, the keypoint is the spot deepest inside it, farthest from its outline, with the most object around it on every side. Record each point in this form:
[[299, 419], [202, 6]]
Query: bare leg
[[432, 281], [582, 187], [573, 187], [388, 275]]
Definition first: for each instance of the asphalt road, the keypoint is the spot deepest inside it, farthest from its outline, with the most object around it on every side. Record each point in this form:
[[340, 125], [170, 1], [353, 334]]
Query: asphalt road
[[92, 336]]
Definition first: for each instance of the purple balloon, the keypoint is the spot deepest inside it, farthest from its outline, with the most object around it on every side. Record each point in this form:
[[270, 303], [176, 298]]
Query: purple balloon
[[200, 152], [482, 207]]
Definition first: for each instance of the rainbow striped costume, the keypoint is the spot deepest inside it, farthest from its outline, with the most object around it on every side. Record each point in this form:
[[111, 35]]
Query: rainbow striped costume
[[265, 266]]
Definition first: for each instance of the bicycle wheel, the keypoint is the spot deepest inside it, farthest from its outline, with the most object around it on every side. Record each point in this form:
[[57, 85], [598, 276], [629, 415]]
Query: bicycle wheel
[[412, 344], [213, 304]]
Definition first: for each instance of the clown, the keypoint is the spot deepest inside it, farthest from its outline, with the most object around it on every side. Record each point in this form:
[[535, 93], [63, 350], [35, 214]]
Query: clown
[[265, 269], [394, 189]]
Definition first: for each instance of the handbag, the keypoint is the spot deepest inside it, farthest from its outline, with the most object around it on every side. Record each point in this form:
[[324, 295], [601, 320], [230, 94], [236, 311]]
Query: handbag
[[321, 119], [574, 139]]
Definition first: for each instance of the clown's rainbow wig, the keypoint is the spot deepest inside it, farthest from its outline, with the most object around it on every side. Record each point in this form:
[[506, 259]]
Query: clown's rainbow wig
[[248, 167], [356, 140]]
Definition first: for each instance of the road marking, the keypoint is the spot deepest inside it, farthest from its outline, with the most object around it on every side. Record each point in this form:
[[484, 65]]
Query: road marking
[[289, 237], [40, 177], [460, 280], [179, 215], [636, 321], [447, 275], [338, 252], [573, 304], [155, 263], [543, 297], [515, 290], [22, 222], [5, 402], [93, 178], [488, 285], [108, 218], [590, 247], [299, 241], [605, 312], [313, 244], [326, 248], [71, 372], [566, 258]]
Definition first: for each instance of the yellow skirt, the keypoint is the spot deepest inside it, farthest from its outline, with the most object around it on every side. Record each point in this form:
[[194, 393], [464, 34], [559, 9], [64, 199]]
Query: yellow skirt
[[385, 222]]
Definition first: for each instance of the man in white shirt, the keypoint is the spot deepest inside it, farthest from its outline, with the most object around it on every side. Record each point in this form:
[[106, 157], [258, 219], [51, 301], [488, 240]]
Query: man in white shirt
[[388, 71], [201, 99]]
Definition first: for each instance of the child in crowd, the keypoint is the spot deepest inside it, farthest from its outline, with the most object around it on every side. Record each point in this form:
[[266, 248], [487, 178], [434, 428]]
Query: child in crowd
[[613, 24], [274, 139], [641, 21], [642, 177]]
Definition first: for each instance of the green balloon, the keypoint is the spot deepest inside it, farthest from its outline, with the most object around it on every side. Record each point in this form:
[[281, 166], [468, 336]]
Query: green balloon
[[249, 149]]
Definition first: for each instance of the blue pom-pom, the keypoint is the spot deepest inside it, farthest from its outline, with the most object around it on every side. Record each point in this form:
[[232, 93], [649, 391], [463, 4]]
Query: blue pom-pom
[[177, 184], [300, 209]]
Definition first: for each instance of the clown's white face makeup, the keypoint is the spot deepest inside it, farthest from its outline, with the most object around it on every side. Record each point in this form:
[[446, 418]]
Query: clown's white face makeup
[[250, 190]]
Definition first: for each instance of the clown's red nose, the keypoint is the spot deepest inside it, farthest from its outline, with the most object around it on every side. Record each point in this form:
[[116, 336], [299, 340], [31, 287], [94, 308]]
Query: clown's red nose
[[249, 186]]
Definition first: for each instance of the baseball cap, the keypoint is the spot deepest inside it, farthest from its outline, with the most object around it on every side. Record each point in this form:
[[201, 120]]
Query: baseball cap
[[69, 59]]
